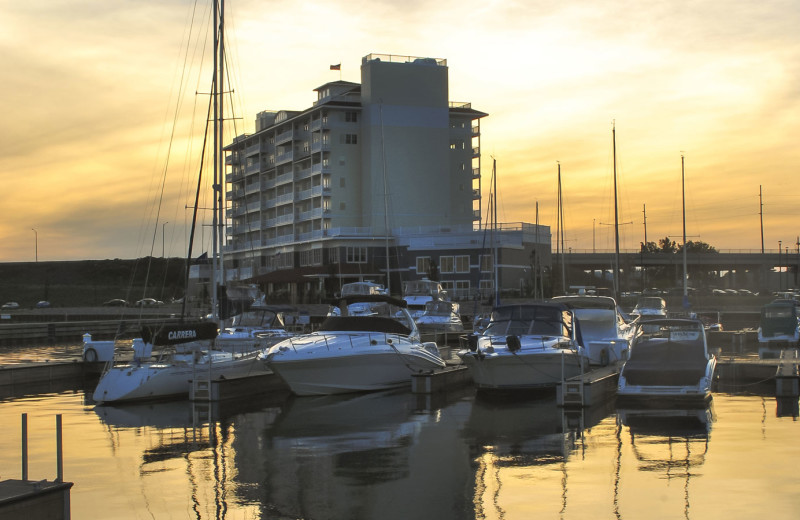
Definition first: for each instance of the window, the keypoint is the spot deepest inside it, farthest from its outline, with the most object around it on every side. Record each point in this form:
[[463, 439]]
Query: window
[[448, 286], [462, 288], [446, 264], [342, 206], [350, 139], [333, 256], [313, 257], [342, 182], [462, 263], [486, 263], [423, 265], [356, 255], [351, 117]]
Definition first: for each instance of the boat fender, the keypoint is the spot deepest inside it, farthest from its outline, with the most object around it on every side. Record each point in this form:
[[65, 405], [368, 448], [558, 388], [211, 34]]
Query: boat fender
[[513, 344], [603, 357]]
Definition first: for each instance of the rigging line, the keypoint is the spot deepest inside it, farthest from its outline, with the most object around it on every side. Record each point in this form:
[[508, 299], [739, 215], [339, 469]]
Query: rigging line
[[194, 215], [164, 176]]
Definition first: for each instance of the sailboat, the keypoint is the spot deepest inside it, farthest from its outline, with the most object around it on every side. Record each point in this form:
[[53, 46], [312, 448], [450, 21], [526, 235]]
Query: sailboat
[[185, 351]]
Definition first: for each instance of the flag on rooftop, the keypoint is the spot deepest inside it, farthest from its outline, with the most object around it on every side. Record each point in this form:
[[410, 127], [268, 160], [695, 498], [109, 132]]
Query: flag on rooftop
[[338, 66]]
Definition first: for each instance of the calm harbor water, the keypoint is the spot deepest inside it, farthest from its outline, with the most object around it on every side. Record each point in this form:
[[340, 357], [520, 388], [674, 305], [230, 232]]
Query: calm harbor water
[[397, 455]]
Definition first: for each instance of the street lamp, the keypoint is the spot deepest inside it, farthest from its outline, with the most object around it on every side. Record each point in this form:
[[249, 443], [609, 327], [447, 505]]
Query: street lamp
[[36, 238], [162, 238], [780, 279]]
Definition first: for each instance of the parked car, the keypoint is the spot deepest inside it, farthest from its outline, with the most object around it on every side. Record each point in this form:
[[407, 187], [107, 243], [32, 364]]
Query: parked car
[[10, 305], [42, 304], [149, 302], [116, 302]]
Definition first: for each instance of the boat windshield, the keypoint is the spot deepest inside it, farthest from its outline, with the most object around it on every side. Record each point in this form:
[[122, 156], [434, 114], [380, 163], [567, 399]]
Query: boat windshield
[[381, 317], [651, 303], [528, 320], [440, 308], [257, 318], [422, 288]]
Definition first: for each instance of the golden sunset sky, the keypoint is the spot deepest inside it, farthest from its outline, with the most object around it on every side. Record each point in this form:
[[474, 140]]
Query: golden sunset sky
[[91, 88]]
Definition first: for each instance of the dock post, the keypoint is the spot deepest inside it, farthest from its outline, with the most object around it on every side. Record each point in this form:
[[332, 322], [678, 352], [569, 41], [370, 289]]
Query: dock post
[[24, 446], [59, 451]]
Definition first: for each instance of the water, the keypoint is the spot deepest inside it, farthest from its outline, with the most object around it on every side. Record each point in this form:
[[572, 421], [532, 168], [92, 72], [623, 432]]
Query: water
[[396, 455]]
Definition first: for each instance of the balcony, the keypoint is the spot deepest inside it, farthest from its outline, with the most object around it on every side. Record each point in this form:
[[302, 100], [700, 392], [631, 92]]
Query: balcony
[[253, 187], [253, 149], [286, 198], [476, 151], [284, 178], [476, 194], [305, 173], [476, 173], [320, 146], [284, 137], [284, 157], [318, 168]]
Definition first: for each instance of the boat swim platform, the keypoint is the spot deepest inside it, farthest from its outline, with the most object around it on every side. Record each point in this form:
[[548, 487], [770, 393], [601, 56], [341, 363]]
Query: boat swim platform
[[589, 388], [437, 381], [218, 390]]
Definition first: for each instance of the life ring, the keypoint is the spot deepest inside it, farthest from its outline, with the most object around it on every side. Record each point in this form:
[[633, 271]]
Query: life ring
[[90, 355]]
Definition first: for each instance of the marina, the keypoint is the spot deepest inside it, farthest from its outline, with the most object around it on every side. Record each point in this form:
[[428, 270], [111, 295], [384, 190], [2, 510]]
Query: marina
[[452, 454]]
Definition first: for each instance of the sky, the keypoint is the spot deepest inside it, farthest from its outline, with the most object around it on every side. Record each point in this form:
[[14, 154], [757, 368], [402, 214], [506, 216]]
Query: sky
[[100, 140]]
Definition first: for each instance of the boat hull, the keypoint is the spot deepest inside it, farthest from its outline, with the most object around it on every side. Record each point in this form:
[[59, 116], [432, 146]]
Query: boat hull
[[331, 364], [518, 371], [150, 381]]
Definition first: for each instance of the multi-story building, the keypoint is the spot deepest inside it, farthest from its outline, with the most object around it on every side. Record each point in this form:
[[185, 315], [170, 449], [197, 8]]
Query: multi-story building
[[382, 173]]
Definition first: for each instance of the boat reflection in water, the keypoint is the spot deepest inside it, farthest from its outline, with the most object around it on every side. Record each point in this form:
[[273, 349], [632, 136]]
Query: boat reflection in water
[[669, 444], [354, 456]]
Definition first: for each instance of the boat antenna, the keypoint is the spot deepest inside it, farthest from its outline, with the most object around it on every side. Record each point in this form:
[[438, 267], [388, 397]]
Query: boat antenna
[[683, 202]]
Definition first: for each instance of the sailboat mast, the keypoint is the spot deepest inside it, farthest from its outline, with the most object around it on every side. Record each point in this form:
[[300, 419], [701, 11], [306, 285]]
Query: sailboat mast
[[683, 202], [495, 238], [616, 214], [560, 238], [385, 206], [215, 143]]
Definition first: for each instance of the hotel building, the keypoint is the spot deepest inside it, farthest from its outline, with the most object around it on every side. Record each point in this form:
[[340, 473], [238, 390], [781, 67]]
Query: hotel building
[[382, 173]]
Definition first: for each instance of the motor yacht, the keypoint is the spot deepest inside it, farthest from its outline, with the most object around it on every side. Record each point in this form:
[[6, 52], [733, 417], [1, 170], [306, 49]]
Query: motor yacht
[[371, 351], [526, 346], [671, 361], [603, 330], [779, 328], [441, 321]]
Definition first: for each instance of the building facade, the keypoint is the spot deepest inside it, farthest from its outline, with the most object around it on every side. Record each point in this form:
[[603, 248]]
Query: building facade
[[356, 185]]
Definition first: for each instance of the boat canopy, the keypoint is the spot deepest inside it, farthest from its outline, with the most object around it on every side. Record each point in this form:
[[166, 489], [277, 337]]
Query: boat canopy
[[779, 318]]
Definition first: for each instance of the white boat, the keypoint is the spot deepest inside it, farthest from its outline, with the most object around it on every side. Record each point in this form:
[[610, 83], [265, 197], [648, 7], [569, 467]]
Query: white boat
[[417, 293], [255, 329], [671, 363], [441, 321], [355, 353], [603, 331], [526, 346], [170, 374], [359, 308], [650, 307], [779, 328]]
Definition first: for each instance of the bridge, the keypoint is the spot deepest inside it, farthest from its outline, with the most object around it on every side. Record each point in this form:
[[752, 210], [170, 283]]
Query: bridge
[[772, 269]]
